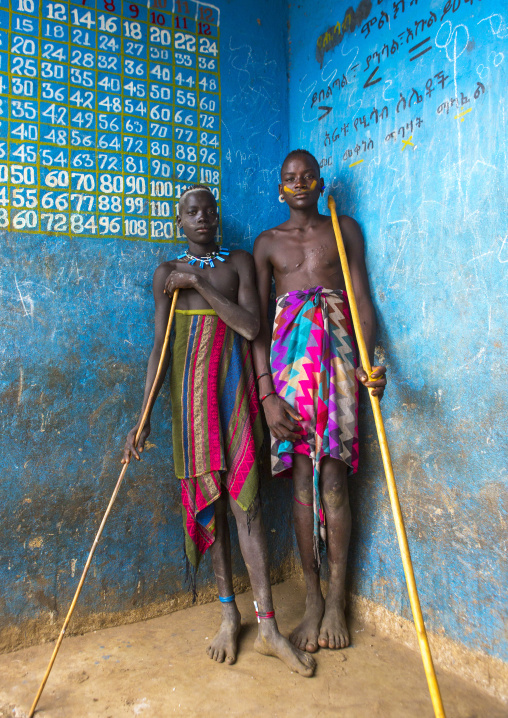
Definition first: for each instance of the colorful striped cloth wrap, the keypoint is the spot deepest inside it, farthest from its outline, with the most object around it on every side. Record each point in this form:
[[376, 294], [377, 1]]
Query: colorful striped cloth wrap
[[313, 363], [217, 429]]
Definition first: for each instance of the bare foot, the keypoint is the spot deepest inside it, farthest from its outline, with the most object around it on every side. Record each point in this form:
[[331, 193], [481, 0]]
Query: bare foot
[[334, 633], [305, 635], [223, 646], [271, 643]]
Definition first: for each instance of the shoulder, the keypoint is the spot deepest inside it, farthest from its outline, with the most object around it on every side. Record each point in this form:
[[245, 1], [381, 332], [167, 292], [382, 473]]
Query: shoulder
[[351, 233], [265, 241], [242, 260], [348, 223], [163, 270], [161, 273]]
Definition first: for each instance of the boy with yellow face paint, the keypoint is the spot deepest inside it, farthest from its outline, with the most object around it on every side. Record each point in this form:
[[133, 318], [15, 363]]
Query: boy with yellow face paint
[[308, 383]]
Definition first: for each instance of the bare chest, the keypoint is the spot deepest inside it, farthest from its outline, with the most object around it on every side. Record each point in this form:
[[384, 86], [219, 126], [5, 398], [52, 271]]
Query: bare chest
[[316, 254], [223, 278]]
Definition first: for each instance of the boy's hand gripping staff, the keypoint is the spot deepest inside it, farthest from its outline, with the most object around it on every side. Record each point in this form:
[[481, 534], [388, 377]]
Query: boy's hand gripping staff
[[390, 480], [147, 410]]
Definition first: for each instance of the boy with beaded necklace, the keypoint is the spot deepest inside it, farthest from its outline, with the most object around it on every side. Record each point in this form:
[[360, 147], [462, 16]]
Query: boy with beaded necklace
[[216, 421]]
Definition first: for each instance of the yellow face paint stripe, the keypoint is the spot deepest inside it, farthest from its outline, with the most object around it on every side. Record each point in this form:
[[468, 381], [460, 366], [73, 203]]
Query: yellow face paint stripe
[[292, 191]]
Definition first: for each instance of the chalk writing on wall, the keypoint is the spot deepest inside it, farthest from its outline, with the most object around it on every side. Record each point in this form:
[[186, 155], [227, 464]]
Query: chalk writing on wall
[[109, 109], [405, 34]]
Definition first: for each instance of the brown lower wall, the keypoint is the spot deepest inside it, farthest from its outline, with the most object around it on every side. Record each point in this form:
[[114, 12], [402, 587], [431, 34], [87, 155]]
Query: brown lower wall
[[47, 627], [487, 672]]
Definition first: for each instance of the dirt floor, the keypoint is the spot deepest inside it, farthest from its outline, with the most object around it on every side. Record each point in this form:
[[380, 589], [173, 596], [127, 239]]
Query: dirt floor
[[159, 668]]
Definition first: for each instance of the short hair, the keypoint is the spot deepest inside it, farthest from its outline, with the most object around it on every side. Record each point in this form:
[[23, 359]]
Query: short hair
[[194, 188], [296, 153]]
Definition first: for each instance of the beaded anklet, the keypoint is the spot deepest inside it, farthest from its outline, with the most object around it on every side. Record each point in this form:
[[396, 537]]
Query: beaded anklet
[[259, 615], [227, 599]]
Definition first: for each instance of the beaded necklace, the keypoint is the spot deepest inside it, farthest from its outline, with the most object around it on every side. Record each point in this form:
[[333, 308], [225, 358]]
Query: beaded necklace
[[207, 260]]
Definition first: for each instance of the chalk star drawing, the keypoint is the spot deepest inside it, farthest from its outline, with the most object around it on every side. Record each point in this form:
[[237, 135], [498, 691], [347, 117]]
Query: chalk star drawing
[[355, 163], [406, 143], [461, 115]]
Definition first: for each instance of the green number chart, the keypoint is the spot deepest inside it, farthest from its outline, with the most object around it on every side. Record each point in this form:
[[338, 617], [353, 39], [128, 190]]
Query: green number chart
[[108, 111]]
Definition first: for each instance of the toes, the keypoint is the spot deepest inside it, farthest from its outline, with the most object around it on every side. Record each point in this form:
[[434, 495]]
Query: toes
[[303, 643], [230, 660], [301, 666], [329, 639], [323, 640], [308, 660], [306, 671], [339, 641], [296, 640]]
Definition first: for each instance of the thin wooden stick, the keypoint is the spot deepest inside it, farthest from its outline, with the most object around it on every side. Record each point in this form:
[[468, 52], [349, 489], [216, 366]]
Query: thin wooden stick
[[428, 665], [147, 410]]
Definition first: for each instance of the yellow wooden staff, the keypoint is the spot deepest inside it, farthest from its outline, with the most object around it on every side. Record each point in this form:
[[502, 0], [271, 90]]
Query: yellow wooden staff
[[390, 480], [148, 407]]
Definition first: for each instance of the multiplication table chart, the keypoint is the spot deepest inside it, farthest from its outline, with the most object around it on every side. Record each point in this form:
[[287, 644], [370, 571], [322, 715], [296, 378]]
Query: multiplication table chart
[[108, 111]]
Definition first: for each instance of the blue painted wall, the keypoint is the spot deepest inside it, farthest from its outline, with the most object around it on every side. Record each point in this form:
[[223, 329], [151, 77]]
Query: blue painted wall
[[76, 334], [404, 106], [426, 182]]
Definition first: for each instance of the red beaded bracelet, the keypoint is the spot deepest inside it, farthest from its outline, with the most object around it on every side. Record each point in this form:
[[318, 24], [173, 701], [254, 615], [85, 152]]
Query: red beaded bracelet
[[266, 373], [269, 394]]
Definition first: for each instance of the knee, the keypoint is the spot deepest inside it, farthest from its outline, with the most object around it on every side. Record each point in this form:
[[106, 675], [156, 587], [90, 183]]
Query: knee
[[303, 490], [335, 494]]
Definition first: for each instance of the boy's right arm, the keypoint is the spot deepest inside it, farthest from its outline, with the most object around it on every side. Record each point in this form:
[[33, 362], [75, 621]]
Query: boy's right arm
[[280, 416], [162, 309]]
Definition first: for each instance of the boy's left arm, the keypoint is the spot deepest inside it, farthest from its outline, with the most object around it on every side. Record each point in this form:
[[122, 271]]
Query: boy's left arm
[[354, 244], [243, 315], [248, 298]]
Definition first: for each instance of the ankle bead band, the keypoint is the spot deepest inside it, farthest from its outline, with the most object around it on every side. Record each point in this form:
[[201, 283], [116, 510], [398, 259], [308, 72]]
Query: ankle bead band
[[227, 599], [259, 616]]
